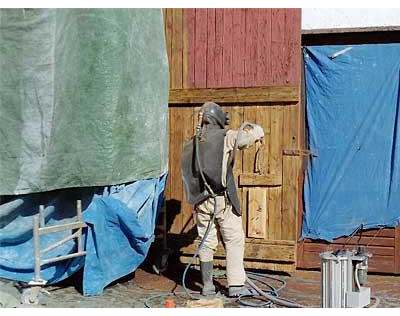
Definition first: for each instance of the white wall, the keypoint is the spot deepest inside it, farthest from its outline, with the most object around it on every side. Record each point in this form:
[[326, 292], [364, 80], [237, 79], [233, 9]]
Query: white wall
[[349, 18]]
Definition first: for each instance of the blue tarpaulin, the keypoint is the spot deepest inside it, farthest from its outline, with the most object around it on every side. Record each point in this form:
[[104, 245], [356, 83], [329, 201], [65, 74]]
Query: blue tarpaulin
[[121, 222], [121, 230], [352, 97]]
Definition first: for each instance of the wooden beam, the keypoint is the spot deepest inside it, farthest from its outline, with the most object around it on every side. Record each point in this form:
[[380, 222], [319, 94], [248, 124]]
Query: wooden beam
[[381, 264], [281, 94], [352, 30], [267, 252], [375, 250], [288, 267], [253, 179], [274, 242], [364, 240], [181, 239], [256, 251]]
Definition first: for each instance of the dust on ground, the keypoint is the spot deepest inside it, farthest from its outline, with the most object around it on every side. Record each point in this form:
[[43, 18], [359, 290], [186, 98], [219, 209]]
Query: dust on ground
[[144, 285]]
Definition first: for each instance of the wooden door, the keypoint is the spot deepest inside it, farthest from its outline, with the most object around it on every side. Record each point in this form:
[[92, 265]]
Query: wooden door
[[248, 61], [266, 175]]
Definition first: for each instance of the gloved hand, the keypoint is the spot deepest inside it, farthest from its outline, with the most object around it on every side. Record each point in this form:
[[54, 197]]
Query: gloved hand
[[258, 131]]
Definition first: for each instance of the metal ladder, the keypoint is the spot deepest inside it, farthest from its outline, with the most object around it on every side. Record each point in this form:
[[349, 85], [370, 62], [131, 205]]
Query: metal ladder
[[36, 285]]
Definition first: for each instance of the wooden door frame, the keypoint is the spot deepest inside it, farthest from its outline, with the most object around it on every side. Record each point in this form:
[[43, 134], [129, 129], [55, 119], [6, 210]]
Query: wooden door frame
[[303, 163]]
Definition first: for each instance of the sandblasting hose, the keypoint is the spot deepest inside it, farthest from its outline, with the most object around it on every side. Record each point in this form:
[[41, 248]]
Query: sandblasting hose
[[274, 299]]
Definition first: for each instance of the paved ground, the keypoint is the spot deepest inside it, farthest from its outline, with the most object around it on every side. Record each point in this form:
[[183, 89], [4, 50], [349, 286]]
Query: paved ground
[[133, 290]]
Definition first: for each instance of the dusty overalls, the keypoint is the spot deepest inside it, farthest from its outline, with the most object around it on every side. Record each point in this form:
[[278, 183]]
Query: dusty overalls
[[228, 222]]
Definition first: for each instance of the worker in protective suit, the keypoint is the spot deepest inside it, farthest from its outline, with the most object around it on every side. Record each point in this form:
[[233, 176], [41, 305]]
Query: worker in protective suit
[[207, 169]]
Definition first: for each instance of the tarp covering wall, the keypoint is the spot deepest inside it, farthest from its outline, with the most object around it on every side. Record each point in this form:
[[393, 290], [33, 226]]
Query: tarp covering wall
[[121, 221], [353, 96], [83, 98]]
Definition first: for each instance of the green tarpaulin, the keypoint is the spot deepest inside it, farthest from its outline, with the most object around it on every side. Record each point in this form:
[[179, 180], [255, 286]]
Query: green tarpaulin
[[83, 98]]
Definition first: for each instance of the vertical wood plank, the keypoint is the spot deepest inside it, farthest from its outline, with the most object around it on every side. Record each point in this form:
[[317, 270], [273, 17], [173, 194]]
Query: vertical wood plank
[[275, 167], [293, 44], [238, 47], [293, 64], [170, 162], [264, 120], [176, 189], [187, 133], [248, 158], [219, 42], [292, 25], [290, 173], [250, 115], [276, 143], [177, 45], [211, 83], [274, 206], [243, 204], [201, 49], [278, 48], [251, 47], [189, 47], [278, 25], [300, 254], [168, 36], [257, 213], [264, 48], [236, 117], [227, 49], [186, 49]]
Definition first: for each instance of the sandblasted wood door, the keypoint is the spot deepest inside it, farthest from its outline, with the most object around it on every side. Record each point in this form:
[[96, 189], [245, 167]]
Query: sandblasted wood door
[[266, 174]]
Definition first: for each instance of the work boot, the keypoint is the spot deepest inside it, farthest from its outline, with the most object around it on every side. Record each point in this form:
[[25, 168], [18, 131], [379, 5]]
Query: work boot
[[236, 291], [206, 269]]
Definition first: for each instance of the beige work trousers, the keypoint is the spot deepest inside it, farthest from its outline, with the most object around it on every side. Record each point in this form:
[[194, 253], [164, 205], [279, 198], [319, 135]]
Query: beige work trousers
[[230, 226]]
